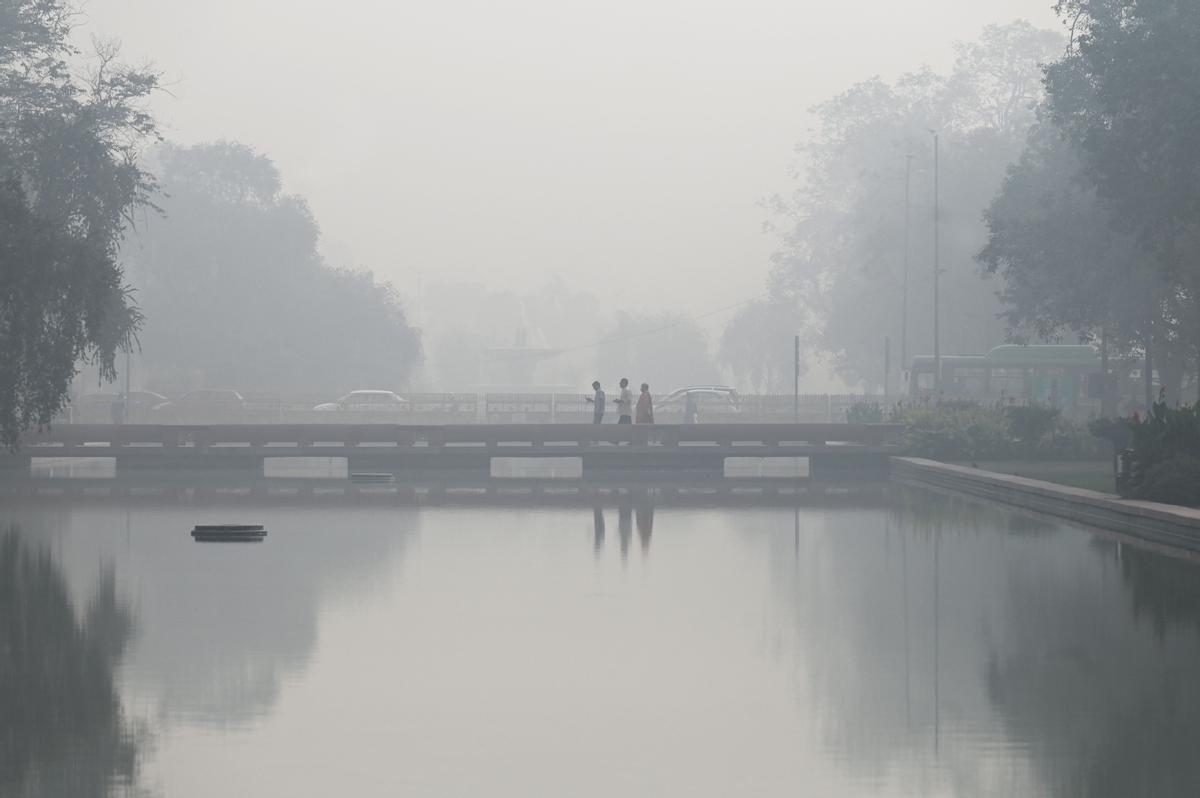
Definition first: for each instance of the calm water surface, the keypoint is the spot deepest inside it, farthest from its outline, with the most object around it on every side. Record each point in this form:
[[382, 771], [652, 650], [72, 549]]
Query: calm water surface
[[904, 644]]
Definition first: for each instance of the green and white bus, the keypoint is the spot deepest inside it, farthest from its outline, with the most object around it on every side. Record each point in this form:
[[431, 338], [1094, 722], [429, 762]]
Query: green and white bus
[[1051, 374]]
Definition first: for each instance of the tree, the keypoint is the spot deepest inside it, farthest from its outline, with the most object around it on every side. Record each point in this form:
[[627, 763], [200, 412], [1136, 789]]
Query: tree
[[667, 351], [757, 345], [844, 227], [1095, 229], [1125, 95], [237, 295], [1068, 264], [997, 78], [69, 181]]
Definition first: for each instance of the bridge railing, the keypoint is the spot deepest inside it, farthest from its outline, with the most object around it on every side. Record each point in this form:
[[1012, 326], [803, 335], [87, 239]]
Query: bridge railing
[[310, 439], [265, 407]]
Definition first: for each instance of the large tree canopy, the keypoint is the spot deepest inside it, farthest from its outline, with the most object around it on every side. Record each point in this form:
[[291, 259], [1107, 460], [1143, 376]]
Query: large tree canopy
[[1067, 265], [237, 295], [1097, 225], [1127, 95], [68, 182]]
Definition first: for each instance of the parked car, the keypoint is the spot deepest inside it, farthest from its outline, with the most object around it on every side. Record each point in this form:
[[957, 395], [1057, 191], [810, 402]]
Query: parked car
[[365, 402], [203, 406], [97, 408], [696, 401]]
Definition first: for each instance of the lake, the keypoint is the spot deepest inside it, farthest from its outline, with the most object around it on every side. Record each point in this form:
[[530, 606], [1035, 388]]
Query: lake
[[865, 641]]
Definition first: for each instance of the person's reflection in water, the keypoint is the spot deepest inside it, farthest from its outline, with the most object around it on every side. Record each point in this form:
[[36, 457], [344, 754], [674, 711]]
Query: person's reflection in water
[[625, 526], [62, 728], [645, 523], [598, 530]]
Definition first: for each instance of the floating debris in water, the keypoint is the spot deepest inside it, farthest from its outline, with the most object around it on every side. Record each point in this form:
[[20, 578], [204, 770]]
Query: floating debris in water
[[229, 533], [366, 476]]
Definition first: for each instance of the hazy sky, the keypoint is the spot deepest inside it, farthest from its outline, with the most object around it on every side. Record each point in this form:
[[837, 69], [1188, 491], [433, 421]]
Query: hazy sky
[[622, 144]]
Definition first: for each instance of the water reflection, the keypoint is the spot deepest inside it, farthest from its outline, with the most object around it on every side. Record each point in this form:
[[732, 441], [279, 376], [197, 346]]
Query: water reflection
[[645, 522], [898, 642], [1100, 678], [222, 626], [633, 508], [63, 731], [231, 623], [598, 529], [625, 526], [961, 647]]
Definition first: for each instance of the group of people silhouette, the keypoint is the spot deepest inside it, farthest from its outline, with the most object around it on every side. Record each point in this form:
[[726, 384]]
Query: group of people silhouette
[[644, 409]]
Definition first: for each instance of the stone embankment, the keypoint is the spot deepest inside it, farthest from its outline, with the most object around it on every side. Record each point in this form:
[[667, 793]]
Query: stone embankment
[[1162, 524]]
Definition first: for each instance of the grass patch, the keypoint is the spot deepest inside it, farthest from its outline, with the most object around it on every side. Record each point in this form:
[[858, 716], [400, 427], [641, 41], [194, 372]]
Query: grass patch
[[1089, 474]]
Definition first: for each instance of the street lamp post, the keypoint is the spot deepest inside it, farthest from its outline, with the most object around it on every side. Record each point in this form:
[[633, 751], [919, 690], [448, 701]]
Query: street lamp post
[[904, 289], [937, 338]]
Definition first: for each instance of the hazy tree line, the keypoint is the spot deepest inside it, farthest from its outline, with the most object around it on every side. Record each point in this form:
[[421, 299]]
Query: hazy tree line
[[235, 292], [866, 177], [1069, 207], [227, 286]]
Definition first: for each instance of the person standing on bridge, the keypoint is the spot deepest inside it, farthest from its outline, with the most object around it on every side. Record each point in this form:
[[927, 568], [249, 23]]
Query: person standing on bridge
[[645, 406], [597, 403], [625, 403]]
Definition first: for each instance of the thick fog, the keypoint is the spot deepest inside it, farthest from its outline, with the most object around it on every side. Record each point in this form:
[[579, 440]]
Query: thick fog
[[482, 197], [622, 145]]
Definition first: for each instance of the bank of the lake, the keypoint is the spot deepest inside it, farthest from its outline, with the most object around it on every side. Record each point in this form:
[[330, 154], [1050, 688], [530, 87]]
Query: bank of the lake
[[1151, 522], [1094, 475]]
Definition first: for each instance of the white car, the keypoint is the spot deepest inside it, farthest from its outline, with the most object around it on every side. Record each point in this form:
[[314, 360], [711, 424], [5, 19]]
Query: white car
[[366, 401], [708, 395], [698, 401]]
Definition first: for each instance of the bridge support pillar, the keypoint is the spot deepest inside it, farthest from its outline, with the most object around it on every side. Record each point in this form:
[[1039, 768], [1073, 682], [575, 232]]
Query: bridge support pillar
[[14, 464], [848, 468], [239, 463], [473, 464], [611, 460]]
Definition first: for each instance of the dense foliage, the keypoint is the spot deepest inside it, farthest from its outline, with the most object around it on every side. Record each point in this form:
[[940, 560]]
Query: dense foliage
[[974, 431], [1161, 453], [69, 181], [1096, 229]]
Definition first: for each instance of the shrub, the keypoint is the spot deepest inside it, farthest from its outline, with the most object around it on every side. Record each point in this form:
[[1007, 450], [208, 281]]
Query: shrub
[[1175, 480], [1071, 440], [960, 432], [1031, 423], [1153, 444], [864, 413], [973, 431]]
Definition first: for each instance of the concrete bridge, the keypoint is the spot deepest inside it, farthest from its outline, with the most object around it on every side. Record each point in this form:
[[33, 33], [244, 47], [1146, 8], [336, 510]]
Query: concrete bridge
[[831, 449]]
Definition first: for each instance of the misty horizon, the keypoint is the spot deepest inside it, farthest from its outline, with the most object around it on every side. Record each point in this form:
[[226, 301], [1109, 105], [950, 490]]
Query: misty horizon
[[626, 151]]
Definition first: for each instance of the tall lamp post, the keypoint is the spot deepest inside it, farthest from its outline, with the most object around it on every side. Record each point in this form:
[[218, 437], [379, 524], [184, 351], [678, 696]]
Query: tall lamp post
[[937, 337], [904, 289]]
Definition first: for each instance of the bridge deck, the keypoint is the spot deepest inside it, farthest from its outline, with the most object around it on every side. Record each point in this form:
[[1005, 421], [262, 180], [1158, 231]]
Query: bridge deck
[[463, 446]]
